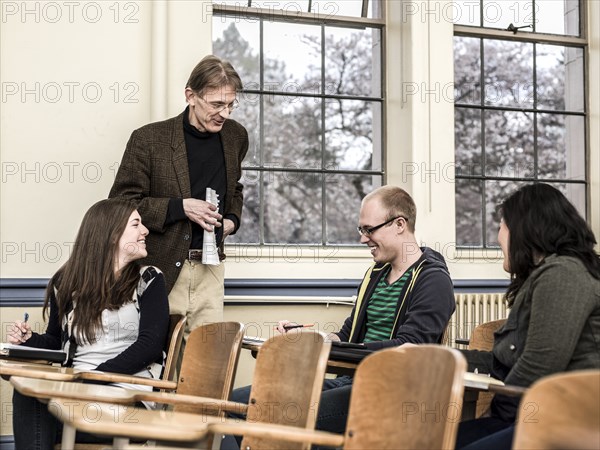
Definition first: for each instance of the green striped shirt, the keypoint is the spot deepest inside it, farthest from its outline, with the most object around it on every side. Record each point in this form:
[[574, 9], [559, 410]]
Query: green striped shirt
[[381, 310]]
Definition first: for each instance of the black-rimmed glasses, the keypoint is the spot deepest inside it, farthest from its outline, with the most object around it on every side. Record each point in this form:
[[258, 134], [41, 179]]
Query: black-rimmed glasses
[[368, 231]]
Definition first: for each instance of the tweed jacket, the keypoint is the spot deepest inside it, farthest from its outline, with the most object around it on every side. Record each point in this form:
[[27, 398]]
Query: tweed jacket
[[155, 169]]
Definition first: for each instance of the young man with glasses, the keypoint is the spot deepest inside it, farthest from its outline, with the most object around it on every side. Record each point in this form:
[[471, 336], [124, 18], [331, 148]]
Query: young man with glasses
[[166, 169], [406, 296]]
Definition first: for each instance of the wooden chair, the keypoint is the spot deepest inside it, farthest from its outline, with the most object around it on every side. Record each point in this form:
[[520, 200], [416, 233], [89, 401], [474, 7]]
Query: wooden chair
[[173, 347], [560, 411], [482, 339], [401, 398], [208, 367], [287, 384]]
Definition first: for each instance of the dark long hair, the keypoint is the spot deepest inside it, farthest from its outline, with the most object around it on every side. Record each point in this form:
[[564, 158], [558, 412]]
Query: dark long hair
[[542, 222], [88, 277]]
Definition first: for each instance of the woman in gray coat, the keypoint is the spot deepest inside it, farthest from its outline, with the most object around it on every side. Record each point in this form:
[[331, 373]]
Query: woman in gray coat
[[554, 295]]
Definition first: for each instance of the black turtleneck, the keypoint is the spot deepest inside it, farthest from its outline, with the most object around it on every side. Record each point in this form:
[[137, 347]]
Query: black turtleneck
[[207, 169]]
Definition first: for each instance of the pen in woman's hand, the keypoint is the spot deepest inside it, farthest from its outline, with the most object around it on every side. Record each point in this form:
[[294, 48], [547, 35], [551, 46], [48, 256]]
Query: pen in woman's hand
[[25, 319]]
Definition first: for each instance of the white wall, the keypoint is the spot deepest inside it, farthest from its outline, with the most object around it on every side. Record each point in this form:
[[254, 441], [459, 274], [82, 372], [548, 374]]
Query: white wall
[[77, 78]]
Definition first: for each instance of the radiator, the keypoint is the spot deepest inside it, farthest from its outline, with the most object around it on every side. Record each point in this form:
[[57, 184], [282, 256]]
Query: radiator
[[472, 310]]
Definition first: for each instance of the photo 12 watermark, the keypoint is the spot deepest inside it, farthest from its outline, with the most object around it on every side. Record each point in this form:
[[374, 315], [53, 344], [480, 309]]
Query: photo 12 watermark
[[69, 92], [70, 12]]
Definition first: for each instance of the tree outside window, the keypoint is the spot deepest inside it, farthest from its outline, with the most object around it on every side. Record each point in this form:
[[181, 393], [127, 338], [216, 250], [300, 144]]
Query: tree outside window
[[519, 110], [312, 104]]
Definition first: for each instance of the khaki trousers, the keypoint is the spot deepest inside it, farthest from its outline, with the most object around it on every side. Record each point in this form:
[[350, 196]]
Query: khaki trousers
[[198, 294]]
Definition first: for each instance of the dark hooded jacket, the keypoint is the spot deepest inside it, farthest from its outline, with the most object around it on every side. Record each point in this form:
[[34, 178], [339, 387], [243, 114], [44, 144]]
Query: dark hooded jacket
[[423, 308]]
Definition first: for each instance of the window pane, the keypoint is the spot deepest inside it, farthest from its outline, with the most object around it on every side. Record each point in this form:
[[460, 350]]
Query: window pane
[[508, 73], [344, 195], [509, 144], [534, 123], [249, 228], [467, 141], [349, 133], [350, 67], [501, 13], [559, 78], [548, 16], [561, 146], [468, 212], [495, 193], [575, 193], [351, 8], [467, 71], [292, 203], [557, 17], [284, 117], [292, 132], [292, 57], [248, 114], [466, 12], [238, 42], [325, 9]]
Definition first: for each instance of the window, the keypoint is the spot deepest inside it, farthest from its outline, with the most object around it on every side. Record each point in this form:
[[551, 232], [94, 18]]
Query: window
[[313, 107], [520, 109]]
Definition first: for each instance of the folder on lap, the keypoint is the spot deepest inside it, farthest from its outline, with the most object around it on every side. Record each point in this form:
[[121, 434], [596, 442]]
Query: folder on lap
[[348, 351], [22, 352]]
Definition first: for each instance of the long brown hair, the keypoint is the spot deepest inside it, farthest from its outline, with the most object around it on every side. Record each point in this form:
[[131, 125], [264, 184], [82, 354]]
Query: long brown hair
[[88, 277]]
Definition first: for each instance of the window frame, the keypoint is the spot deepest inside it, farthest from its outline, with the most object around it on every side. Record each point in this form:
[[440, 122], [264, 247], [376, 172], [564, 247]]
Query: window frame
[[323, 21], [531, 37]]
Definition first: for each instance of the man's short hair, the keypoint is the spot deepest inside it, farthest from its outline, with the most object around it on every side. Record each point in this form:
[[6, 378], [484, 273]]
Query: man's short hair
[[397, 202], [213, 73]]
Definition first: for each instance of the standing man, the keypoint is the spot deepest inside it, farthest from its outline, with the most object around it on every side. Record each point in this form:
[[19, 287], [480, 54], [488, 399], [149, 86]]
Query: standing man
[[406, 296], [167, 167]]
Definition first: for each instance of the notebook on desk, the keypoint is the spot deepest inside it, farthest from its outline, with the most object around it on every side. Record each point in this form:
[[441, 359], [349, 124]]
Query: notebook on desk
[[348, 351], [22, 352]]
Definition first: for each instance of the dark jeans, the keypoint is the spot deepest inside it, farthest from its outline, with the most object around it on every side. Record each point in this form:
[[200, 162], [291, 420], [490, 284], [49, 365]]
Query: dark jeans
[[34, 428], [488, 433], [333, 407]]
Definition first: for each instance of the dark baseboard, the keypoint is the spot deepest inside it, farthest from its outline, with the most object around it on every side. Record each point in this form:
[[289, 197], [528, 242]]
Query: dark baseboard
[[7, 442], [29, 292]]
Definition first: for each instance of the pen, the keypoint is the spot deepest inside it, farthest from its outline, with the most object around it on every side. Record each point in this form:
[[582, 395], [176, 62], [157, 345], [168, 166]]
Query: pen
[[25, 319], [292, 326]]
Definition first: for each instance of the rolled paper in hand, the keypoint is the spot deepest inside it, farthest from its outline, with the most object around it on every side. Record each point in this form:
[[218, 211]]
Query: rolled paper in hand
[[209, 243]]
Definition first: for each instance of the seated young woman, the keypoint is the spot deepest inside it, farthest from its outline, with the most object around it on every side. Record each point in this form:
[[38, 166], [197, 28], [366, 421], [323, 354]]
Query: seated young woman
[[105, 311], [554, 294]]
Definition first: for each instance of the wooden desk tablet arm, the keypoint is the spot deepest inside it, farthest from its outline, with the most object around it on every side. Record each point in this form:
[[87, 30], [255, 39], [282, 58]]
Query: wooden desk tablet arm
[[277, 432], [126, 422], [205, 405], [109, 377]]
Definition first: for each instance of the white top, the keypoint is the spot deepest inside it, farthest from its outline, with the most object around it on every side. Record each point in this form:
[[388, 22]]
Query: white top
[[120, 329]]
